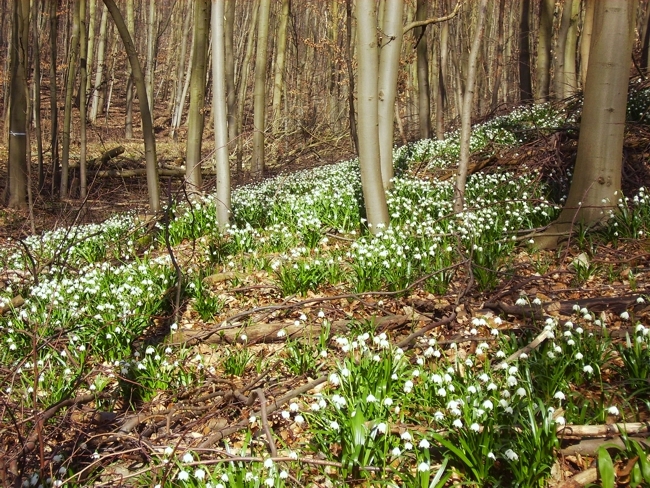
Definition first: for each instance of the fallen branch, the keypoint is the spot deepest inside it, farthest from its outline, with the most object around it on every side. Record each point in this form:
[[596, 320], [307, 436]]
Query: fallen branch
[[604, 430], [590, 447], [101, 160], [16, 302], [579, 480]]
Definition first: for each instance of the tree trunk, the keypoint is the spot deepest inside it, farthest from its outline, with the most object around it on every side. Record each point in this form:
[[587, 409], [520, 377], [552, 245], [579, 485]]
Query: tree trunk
[[466, 112], [441, 93], [596, 186], [83, 53], [559, 81], [259, 94], [36, 53], [545, 41], [280, 56], [230, 71], [151, 53], [243, 84], [195, 116], [498, 58], [179, 99], [387, 88], [371, 177], [570, 77], [585, 39], [424, 98], [348, 59], [96, 103], [147, 123], [17, 162], [220, 111], [54, 110], [90, 49], [128, 119], [525, 87], [69, 92]]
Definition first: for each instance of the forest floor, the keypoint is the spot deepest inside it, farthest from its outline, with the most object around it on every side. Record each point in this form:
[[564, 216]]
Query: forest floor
[[296, 350]]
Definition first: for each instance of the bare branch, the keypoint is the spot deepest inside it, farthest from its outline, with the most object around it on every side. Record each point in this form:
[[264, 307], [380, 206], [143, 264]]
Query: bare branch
[[435, 20]]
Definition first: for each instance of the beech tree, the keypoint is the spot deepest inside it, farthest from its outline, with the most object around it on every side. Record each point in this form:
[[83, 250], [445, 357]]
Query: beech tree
[[596, 185]]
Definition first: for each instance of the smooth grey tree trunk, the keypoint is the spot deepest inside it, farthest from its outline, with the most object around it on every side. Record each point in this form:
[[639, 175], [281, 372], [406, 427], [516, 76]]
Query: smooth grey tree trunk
[[278, 78], [596, 185], [259, 94], [54, 107], [387, 88], [424, 95], [179, 99], [195, 117], [231, 94], [99, 73], [220, 110], [369, 157], [544, 44], [466, 112], [585, 39], [83, 53], [128, 119], [147, 122]]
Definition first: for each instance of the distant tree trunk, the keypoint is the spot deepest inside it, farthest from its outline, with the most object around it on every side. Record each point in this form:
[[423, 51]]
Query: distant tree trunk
[[179, 98], [348, 59], [387, 88], [243, 84], [525, 86], [230, 71], [596, 185], [220, 111], [69, 93], [151, 53], [147, 123], [560, 69], [585, 39], [570, 77], [259, 94], [128, 119], [499, 57], [90, 49], [195, 116], [369, 157], [36, 83], [18, 150], [83, 53], [645, 42], [544, 44], [441, 94], [280, 56], [96, 103], [424, 99], [54, 110], [466, 112]]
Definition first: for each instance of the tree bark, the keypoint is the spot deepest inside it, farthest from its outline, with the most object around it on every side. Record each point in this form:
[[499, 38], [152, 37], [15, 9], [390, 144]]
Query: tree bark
[[69, 92], [259, 94], [128, 118], [387, 88], [147, 123], [441, 93], [499, 57], [525, 86], [348, 59], [220, 111], [371, 175], [179, 99], [559, 81], [54, 108], [466, 112], [195, 117], [83, 53], [96, 103], [596, 186], [544, 44], [230, 71], [280, 56], [585, 39], [18, 150], [151, 53], [36, 83], [570, 52], [424, 95]]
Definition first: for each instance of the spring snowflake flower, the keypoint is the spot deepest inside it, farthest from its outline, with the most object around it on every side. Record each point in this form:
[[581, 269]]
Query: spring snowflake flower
[[613, 410], [199, 474], [408, 386], [458, 423], [625, 315], [269, 482], [491, 456], [424, 444], [299, 419], [560, 420], [382, 427], [488, 405], [371, 398], [396, 452], [406, 436], [588, 369], [282, 333], [183, 475], [187, 457], [387, 401], [293, 407], [423, 467], [511, 455], [268, 463], [559, 395], [521, 302], [334, 379], [475, 427]]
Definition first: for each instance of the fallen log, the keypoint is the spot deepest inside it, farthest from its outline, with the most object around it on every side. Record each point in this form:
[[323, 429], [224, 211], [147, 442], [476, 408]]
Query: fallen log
[[590, 447], [103, 159], [16, 302], [132, 173], [603, 430]]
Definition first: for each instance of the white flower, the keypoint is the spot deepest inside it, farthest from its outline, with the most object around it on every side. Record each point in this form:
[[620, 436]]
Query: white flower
[[613, 410], [424, 444], [511, 455], [183, 475], [408, 386], [268, 463], [423, 467], [491, 455], [371, 398], [334, 379], [150, 350], [382, 427], [559, 395], [406, 436], [187, 457], [396, 452], [293, 407], [282, 333], [487, 404], [334, 425], [299, 419], [521, 392], [269, 482], [588, 369], [388, 401], [458, 423], [625, 315], [199, 474], [560, 420]]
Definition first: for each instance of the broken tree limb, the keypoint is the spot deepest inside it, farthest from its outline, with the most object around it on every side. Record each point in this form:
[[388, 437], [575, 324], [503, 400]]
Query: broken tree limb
[[16, 302], [590, 447], [103, 159], [132, 173], [581, 479], [603, 430]]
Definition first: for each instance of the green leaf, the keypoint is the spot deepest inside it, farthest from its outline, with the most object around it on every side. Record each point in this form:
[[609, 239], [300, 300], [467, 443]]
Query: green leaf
[[441, 476], [460, 454], [606, 468], [643, 461]]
